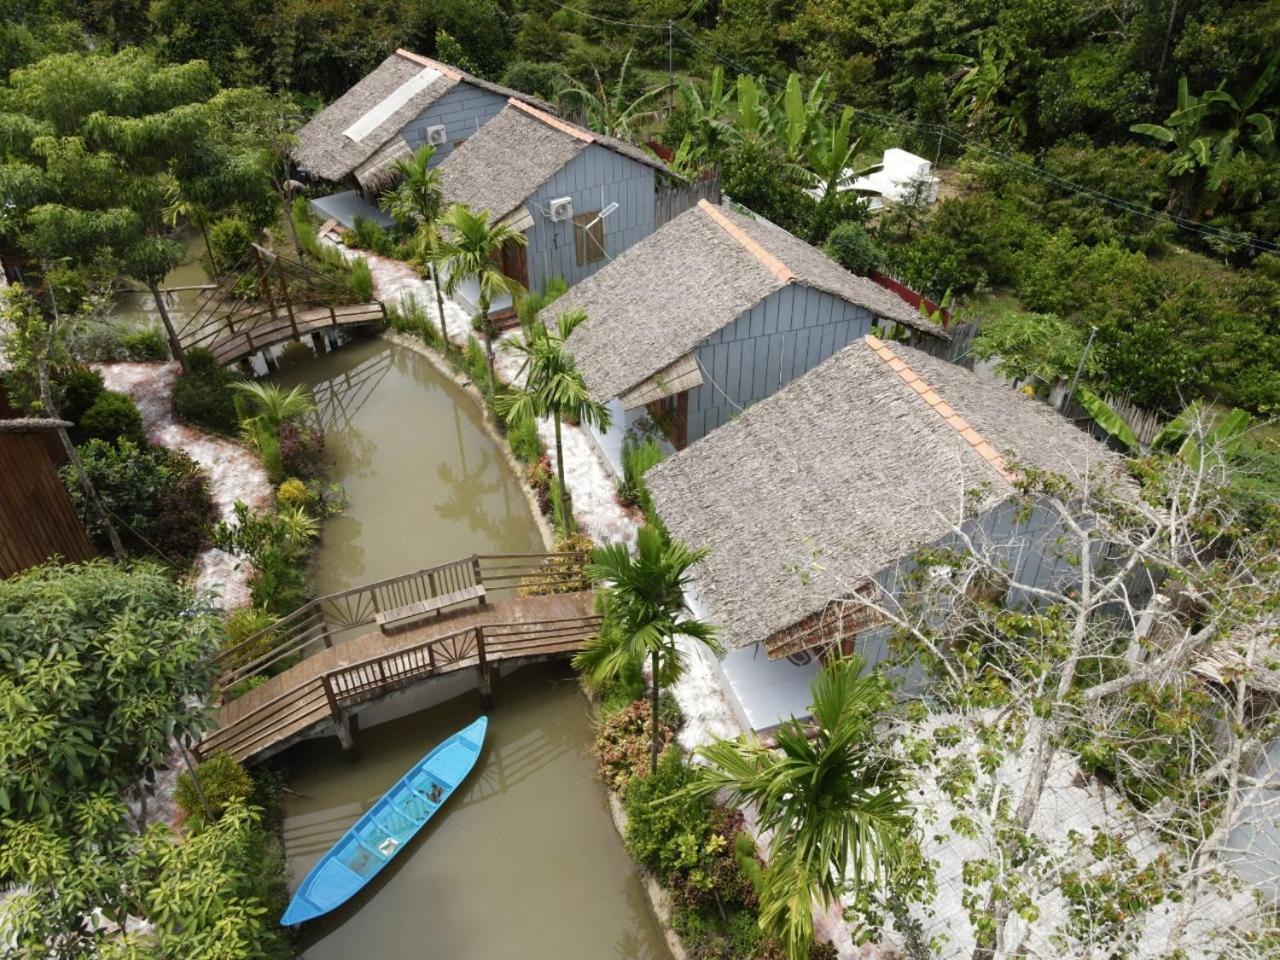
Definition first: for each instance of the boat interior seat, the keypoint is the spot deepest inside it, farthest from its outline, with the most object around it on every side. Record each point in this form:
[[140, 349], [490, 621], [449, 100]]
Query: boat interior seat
[[451, 764]]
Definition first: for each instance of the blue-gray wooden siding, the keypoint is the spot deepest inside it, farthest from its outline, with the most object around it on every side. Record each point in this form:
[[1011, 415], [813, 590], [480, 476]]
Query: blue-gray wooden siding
[[593, 179], [783, 336], [462, 111]]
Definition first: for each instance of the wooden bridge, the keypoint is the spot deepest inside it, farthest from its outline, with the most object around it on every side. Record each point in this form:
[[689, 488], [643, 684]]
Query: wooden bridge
[[294, 301], [323, 665]]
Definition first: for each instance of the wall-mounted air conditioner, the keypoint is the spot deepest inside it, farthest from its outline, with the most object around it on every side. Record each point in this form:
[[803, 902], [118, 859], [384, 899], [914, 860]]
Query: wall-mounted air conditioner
[[436, 135], [561, 209]]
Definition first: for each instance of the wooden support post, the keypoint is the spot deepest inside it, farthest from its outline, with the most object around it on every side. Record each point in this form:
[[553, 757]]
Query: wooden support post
[[340, 722], [478, 579], [486, 687], [265, 285], [333, 316], [288, 305]]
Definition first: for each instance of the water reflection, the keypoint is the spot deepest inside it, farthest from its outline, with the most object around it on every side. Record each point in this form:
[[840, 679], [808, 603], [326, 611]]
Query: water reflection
[[522, 862], [424, 482]]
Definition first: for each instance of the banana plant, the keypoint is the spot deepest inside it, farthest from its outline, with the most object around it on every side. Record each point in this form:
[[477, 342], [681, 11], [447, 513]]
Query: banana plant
[[801, 116], [749, 118], [610, 111], [829, 157], [1186, 436], [1185, 130], [689, 157], [707, 113], [1242, 117]]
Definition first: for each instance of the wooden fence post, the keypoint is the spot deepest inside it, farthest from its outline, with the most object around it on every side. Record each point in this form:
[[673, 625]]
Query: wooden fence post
[[340, 721], [478, 578], [486, 687]]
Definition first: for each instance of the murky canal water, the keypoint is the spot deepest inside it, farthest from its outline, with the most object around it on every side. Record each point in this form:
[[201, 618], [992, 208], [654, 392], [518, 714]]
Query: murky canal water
[[523, 862]]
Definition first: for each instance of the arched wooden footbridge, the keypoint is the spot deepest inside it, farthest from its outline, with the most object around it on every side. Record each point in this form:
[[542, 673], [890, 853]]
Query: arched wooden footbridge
[[322, 664], [273, 301]]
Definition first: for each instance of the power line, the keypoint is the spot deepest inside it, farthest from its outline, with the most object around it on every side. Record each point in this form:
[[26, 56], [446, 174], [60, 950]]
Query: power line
[[612, 23], [946, 132], [1068, 186]]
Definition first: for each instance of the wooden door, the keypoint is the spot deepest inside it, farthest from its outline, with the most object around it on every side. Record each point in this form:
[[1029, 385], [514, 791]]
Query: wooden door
[[671, 414], [515, 262]]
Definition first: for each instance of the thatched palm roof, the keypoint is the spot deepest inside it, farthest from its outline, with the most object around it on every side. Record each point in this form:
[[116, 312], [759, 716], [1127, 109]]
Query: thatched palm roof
[[515, 153], [326, 151], [813, 491], [692, 277]]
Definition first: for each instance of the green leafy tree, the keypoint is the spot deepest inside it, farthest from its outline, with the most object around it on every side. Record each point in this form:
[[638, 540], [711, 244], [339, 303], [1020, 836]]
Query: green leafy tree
[[834, 800], [417, 202], [150, 260], [550, 385], [649, 612], [470, 250]]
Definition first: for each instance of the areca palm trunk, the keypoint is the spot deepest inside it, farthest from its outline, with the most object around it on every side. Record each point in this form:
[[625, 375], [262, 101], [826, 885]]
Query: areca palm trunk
[[487, 330], [656, 744], [444, 326], [565, 518]]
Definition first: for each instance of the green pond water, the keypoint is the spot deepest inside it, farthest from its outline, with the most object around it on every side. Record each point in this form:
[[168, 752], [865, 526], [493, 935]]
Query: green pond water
[[523, 862]]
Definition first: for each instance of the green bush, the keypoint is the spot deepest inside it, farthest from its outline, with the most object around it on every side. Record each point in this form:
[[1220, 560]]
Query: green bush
[[656, 832], [623, 744], [524, 441], [853, 248], [113, 416], [361, 280], [638, 457], [222, 780], [368, 234], [474, 364], [539, 79], [79, 387], [231, 239], [158, 498], [203, 397], [149, 345]]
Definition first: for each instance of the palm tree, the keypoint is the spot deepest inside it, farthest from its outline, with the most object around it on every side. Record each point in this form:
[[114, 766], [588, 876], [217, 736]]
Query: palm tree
[[417, 201], [835, 804], [609, 111], [271, 407], [553, 387], [469, 251], [647, 605]]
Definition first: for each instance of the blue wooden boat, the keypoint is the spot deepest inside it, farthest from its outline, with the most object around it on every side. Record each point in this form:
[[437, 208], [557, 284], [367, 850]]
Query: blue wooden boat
[[386, 827]]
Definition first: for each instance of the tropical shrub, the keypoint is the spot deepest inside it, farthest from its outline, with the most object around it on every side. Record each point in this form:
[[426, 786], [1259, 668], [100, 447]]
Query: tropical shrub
[[853, 248], [293, 492], [638, 457], [537, 476], [231, 239], [204, 397], [301, 450], [276, 546], [113, 416], [149, 345], [222, 780], [523, 439], [79, 387], [368, 234], [563, 572], [159, 497], [622, 744]]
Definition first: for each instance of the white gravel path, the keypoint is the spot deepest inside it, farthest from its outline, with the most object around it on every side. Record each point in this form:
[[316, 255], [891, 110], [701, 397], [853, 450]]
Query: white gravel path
[[234, 472]]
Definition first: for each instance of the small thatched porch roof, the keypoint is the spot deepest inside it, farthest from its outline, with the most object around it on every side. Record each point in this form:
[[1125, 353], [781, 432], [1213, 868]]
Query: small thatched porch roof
[[696, 275], [813, 491], [368, 118]]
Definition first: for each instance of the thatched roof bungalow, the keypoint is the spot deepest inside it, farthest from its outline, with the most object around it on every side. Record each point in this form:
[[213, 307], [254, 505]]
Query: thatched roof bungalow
[[817, 494], [715, 311], [580, 198], [409, 100]]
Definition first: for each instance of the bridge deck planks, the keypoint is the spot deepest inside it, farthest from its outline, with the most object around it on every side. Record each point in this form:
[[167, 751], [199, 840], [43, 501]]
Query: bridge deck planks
[[514, 612], [229, 347]]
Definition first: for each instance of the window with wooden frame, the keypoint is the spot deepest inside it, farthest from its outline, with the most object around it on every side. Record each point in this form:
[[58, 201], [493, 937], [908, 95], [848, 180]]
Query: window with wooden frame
[[671, 415], [588, 241]]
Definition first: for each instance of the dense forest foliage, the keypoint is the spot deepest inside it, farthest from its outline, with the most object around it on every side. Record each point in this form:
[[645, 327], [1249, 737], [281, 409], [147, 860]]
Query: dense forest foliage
[[1107, 164]]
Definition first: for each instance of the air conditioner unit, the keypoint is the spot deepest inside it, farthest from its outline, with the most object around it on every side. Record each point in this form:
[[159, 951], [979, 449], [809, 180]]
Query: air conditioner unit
[[436, 135], [561, 209]]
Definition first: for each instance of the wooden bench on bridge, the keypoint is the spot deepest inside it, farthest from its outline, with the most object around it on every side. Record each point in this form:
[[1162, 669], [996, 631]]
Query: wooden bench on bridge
[[412, 612], [316, 678]]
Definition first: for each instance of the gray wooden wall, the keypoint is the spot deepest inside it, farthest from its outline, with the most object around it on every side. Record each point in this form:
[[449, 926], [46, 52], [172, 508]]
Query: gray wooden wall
[[462, 110], [783, 336], [594, 178]]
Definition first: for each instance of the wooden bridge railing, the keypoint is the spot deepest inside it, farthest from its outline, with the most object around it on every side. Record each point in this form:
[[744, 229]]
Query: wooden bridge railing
[[316, 623], [329, 695]]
